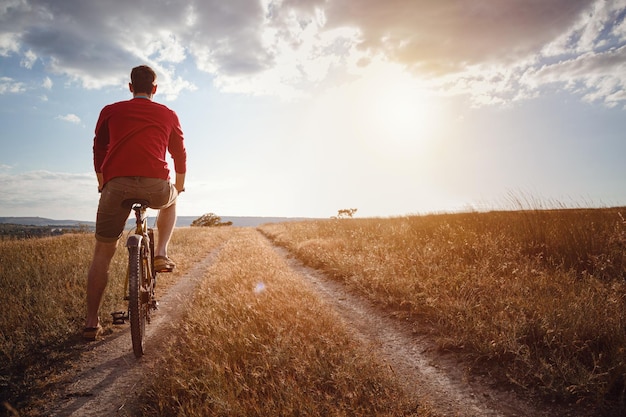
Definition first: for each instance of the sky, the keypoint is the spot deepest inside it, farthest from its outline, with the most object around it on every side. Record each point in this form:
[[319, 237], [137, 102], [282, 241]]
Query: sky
[[300, 108]]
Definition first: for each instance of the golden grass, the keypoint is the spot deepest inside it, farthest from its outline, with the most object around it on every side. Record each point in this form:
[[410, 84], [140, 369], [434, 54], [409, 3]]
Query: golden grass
[[42, 287], [537, 296], [42, 283], [258, 342]]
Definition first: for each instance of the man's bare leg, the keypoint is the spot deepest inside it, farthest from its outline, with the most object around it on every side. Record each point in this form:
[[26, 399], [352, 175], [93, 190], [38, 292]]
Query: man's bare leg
[[165, 224], [97, 279]]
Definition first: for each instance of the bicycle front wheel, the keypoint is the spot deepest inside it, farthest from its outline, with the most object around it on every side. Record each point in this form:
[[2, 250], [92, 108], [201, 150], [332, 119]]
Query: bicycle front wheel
[[136, 305]]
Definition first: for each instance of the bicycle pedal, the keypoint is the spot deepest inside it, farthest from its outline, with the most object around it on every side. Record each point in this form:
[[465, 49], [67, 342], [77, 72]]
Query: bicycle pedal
[[119, 317]]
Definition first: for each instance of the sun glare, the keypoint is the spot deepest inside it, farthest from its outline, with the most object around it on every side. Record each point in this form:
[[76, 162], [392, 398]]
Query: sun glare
[[399, 113], [385, 113]]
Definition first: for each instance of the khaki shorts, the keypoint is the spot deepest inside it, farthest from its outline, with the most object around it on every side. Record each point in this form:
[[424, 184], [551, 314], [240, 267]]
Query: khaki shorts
[[112, 215]]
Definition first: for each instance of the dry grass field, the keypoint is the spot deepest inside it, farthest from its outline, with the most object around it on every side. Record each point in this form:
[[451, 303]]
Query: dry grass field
[[534, 298], [42, 294], [259, 342]]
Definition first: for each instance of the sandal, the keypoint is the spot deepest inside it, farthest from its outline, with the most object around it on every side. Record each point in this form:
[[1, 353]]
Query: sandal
[[91, 333], [163, 264]]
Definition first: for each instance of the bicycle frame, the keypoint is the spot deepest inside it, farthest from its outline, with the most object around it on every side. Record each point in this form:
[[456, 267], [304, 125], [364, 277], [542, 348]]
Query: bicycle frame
[[141, 233]]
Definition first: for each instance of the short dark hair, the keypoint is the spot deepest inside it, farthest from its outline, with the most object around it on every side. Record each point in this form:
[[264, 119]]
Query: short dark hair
[[142, 78]]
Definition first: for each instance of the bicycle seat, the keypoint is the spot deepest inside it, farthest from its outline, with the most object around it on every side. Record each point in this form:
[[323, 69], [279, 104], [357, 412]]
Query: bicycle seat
[[130, 202]]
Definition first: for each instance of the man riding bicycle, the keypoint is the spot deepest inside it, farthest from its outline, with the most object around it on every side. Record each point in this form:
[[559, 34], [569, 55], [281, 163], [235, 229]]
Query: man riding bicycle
[[130, 145]]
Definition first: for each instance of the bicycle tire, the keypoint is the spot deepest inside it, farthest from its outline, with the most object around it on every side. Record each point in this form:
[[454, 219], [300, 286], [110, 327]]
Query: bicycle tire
[[136, 305]]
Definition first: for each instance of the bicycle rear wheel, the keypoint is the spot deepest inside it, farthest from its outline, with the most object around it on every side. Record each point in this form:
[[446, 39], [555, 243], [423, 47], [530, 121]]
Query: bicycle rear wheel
[[137, 307]]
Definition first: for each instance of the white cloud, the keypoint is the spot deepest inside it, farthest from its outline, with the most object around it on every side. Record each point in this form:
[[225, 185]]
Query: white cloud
[[9, 85], [9, 43], [168, 48], [28, 60], [598, 77], [45, 193], [303, 53], [170, 85], [47, 83], [71, 118], [486, 49]]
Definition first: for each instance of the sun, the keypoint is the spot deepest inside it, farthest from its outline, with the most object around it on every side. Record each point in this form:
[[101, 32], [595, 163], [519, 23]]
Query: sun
[[398, 111], [383, 114]]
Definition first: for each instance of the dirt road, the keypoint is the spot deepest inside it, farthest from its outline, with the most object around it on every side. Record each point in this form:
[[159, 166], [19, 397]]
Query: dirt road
[[436, 378], [105, 380]]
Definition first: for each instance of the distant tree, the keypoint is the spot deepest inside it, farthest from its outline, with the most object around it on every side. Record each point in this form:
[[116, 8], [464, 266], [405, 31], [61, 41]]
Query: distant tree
[[210, 220], [345, 213]]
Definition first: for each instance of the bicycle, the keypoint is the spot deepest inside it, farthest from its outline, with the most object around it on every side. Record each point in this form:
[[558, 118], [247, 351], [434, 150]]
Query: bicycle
[[140, 280]]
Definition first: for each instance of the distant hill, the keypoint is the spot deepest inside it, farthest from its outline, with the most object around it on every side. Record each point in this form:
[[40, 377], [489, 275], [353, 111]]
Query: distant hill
[[42, 221], [182, 221]]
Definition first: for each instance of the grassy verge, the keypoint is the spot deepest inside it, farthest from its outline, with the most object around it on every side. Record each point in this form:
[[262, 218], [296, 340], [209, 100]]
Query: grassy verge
[[258, 342], [537, 297], [42, 282]]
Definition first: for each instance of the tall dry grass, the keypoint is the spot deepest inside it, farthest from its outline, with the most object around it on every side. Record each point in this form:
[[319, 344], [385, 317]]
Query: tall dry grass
[[537, 297], [259, 342], [42, 295]]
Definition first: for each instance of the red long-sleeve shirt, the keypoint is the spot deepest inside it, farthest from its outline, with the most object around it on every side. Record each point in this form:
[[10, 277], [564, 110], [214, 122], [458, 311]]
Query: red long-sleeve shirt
[[132, 138]]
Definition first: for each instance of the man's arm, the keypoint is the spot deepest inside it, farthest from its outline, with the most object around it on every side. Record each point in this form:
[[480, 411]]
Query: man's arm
[[180, 182], [100, 146], [100, 180]]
